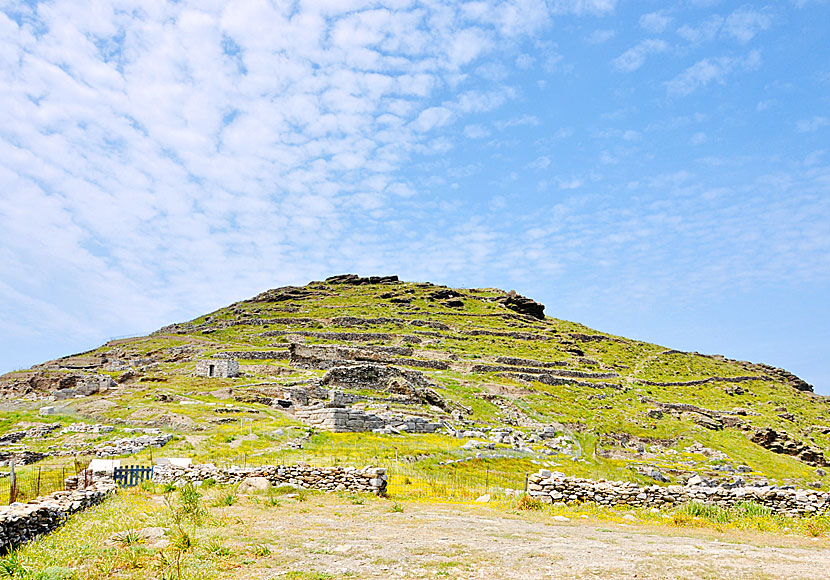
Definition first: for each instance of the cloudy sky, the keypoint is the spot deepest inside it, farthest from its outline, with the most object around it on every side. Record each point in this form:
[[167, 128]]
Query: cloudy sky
[[659, 170]]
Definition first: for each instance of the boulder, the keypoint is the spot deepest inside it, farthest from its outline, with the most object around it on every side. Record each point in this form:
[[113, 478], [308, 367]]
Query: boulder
[[254, 484]]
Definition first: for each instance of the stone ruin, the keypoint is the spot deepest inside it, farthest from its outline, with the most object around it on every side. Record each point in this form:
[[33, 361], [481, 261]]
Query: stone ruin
[[224, 368], [343, 420]]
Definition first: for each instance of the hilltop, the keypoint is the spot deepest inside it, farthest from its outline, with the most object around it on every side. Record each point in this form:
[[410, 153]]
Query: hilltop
[[419, 377]]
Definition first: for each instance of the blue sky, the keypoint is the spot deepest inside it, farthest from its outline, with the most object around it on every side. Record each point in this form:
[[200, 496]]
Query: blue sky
[[657, 170]]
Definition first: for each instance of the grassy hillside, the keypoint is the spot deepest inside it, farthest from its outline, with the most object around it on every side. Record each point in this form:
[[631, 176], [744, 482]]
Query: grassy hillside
[[613, 407]]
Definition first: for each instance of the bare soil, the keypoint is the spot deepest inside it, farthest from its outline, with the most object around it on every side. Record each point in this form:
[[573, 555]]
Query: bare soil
[[332, 536]]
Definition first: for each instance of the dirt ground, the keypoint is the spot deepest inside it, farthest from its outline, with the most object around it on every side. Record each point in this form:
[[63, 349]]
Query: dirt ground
[[332, 536]]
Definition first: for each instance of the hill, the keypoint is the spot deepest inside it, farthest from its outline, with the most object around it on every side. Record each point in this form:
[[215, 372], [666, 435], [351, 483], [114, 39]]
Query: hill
[[444, 386]]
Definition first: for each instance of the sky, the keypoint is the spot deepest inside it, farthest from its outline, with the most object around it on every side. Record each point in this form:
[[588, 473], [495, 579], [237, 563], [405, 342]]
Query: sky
[[657, 170]]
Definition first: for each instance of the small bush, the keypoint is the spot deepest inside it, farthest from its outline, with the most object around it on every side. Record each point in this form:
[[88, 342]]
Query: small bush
[[527, 502], [396, 508], [190, 504]]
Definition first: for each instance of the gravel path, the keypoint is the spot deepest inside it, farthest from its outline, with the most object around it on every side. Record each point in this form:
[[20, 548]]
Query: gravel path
[[332, 536]]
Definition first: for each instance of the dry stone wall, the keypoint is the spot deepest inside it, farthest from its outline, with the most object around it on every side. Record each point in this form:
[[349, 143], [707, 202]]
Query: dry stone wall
[[553, 487], [20, 523], [368, 480]]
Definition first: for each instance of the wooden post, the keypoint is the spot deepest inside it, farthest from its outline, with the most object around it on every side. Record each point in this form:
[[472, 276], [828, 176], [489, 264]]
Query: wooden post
[[37, 494]]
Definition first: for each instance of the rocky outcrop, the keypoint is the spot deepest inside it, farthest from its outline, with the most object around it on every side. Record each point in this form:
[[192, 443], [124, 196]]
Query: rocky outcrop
[[523, 305], [780, 442], [286, 293], [355, 280]]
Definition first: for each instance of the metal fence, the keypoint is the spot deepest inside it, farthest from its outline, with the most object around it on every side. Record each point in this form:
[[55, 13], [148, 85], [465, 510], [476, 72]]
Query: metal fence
[[31, 483]]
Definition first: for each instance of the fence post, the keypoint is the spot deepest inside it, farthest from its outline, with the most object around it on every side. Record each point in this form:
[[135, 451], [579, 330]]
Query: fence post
[[12, 481], [37, 493], [525, 482]]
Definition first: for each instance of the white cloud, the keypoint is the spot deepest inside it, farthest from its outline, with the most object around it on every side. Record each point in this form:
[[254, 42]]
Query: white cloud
[[583, 7], [698, 138], [743, 24], [708, 71], [704, 32], [655, 22], [524, 120], [539, 163], [476, 132], [633, 58], [813, 124], [600, 36]]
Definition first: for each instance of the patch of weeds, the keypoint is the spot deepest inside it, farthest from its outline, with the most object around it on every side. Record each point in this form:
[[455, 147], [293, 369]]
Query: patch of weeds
[[55, 573], [357, 500], [261, 550], [11, 566], [527, 503], [129, 538], [216, 548], [147, 485], [306, 575], [226, 499], [396, 508]]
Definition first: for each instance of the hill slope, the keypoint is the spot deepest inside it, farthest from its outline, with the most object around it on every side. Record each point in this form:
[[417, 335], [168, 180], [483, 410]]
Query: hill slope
[[487, 379]]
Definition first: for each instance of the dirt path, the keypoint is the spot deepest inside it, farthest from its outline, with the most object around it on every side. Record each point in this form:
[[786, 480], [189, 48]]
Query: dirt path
[[333, 536]]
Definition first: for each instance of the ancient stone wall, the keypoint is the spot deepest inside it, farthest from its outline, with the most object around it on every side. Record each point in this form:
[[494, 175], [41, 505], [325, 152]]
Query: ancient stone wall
[[369, 480], [342, 420], [20, 523], [254, 354], [553, 487]]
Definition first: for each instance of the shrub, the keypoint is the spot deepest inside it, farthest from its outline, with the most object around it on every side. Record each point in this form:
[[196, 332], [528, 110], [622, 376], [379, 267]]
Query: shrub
[[527, 502]]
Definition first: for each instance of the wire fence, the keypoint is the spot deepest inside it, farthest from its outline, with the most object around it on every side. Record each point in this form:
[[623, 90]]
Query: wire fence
[[463, 480], [31, 481]]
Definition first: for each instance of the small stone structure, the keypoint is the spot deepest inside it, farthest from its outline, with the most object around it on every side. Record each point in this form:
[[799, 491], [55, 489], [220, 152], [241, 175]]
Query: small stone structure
[[129, 446], [20, 523], [554, 487], [369, 479], [218, 368], [341, 420]]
